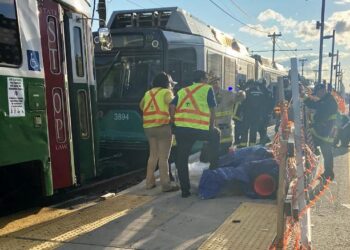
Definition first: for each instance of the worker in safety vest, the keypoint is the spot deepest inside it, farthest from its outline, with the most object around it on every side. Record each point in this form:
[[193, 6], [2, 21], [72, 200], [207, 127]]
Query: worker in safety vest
[[192, 111], [226, 101], [323, 124], [156, 119]]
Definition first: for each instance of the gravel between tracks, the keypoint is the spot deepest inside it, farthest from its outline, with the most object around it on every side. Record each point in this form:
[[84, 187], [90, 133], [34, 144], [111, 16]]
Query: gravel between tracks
[[330, 217]]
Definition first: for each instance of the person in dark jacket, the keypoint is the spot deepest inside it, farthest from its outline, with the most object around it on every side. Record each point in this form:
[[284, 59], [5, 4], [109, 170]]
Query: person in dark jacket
[[253, 114], [267, 107], [323, 124]]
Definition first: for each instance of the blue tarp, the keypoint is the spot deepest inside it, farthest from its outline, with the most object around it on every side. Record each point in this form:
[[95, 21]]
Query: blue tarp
[[240, 166]]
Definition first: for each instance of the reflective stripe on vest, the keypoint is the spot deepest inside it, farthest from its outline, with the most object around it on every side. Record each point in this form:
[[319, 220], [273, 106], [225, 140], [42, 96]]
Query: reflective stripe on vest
[[192, 110], [223, 114], [325, 139], [155, 111], [226, 139], [328, 139]]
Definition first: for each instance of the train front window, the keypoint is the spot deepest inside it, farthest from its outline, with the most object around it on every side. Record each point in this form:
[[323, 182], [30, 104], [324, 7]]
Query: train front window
[[128, 41], [10, 48], [182, 63], [127, 79]]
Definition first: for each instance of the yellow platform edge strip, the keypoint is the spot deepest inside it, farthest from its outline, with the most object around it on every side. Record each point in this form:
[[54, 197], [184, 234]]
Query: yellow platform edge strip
[[52, 234], [250, 226]]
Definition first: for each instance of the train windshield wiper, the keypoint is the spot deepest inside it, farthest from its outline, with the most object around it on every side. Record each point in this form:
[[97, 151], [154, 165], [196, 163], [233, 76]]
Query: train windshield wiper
[[105, 74]]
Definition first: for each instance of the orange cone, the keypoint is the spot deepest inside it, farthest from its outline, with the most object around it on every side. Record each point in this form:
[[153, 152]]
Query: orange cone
[[264, 185]]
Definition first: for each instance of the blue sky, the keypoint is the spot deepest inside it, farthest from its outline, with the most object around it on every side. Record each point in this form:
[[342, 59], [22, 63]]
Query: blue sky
[[295, 19]]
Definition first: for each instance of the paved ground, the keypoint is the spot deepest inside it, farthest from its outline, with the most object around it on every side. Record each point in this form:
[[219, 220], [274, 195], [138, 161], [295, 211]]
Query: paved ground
[[331, 216]]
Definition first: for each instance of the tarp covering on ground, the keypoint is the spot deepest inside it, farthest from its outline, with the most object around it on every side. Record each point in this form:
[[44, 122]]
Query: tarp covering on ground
[[241, 166]]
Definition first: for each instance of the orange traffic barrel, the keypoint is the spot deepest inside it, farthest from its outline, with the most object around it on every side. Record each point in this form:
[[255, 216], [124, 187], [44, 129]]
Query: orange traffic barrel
[[264, 185]]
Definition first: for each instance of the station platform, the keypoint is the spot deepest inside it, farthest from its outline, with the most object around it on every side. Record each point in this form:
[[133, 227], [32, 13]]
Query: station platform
[[150, 219]]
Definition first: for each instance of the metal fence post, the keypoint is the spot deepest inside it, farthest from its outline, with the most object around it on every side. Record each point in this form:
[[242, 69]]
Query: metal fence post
[[304, 220]]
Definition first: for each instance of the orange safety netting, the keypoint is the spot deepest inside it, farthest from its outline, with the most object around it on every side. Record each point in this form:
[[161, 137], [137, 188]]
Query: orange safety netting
[[340, 101], [311, 177]]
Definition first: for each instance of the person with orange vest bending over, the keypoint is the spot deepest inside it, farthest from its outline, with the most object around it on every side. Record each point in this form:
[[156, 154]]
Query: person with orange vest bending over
[[156, 119], [192, 112]]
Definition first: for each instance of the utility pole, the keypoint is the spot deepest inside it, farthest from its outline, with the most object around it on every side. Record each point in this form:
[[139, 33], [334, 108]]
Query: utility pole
[[336, 70], [321, 25], [332, 56], [339, 75], [315, 71], [101, 9], [303, 60], [274, 35]]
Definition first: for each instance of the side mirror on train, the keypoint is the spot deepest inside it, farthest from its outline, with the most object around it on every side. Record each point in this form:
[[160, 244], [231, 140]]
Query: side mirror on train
[[105, 39]]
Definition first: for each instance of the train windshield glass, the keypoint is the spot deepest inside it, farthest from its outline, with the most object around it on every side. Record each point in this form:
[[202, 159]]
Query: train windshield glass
[[128, 41], [127, 79]]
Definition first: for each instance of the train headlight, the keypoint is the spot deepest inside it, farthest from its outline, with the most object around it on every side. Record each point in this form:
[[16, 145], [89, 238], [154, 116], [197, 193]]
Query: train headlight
[[155, 43]]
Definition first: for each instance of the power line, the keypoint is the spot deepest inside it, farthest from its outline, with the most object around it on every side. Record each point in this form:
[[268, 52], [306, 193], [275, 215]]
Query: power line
[[156, 3], [223, 3], [269, 50], [244, 12], [234, 18], [134, 3], [280, 49], [255, 43], [286, 43]]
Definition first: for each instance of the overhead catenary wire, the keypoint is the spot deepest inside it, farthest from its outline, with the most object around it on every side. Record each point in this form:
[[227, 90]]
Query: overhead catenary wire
[[236, 19], [134, 3], [286, 43], [239, 8], [289, 55], [155, 3], [255, 43]]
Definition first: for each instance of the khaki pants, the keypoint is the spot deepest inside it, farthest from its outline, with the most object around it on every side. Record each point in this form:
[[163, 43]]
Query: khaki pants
[[159, 139]]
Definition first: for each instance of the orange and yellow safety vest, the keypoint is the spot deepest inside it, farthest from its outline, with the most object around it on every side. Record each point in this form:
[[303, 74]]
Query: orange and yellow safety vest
[[155, 110], [192, 110]]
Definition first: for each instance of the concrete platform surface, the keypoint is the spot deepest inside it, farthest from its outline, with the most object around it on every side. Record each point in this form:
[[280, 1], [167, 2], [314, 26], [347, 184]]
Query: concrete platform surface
[[168, 221]]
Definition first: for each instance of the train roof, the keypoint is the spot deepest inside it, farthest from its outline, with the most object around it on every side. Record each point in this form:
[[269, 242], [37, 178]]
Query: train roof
[[265, 62], [173, 19]]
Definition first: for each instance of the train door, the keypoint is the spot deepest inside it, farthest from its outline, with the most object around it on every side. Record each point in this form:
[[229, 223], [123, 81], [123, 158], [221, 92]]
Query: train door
[[56, 94], [79, 64]]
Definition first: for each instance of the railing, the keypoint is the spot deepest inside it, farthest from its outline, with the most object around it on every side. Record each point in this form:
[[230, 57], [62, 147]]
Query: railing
[[300, 181]]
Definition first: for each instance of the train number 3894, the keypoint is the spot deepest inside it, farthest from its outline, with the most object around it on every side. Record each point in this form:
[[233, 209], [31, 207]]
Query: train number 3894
[[121, 117]]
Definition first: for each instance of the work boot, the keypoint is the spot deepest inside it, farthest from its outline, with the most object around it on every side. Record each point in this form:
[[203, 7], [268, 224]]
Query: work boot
[[170, 188], [186, 194]]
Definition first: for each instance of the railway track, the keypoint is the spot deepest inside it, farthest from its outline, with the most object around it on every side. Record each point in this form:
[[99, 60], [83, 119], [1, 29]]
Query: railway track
[[73, 198]]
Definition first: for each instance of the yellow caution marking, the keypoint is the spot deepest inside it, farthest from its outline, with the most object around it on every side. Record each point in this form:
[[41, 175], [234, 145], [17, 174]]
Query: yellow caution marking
[[53, 233], [20, 221], [251, 226]]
